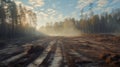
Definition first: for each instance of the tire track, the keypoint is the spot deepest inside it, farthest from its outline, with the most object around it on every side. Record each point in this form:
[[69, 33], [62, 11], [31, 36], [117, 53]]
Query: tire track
[[57, 61], [40, 59], [47, 61], [68, 61], [24, 58]]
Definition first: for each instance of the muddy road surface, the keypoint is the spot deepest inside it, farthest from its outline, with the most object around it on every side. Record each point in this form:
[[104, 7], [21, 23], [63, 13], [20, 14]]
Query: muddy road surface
[[62, 52]]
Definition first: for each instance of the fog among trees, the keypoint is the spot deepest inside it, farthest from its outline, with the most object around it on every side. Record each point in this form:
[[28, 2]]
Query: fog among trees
[[108, 23], [16, 20]]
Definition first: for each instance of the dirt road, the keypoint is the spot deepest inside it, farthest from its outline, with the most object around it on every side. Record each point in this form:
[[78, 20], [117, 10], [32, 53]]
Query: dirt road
[[59, 52]]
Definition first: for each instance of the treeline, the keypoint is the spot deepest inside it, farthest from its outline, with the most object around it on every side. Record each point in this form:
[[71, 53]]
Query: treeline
[[16, 20], [104, 23], [66, 28]]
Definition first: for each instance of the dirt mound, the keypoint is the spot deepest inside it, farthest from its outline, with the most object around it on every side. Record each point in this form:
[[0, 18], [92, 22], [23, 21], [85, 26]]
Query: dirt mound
[[111, 59]]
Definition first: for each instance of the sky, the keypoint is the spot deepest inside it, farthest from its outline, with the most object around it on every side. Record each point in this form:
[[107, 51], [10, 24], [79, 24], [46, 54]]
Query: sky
[[51, 11]]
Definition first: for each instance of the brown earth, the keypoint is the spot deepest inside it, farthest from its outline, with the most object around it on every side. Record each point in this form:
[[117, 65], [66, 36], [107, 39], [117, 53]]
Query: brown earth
[[83, 51]]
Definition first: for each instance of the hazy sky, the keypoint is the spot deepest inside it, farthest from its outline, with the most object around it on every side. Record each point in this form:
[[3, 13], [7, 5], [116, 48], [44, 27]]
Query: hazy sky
[[57, 10]]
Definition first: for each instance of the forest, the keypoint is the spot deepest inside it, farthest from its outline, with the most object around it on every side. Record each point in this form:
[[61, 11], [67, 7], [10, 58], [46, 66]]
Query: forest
[[108, 23], [16, 20]]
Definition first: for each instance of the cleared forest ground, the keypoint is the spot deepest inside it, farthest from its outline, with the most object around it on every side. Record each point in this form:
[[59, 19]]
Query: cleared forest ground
[[83, 51]]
